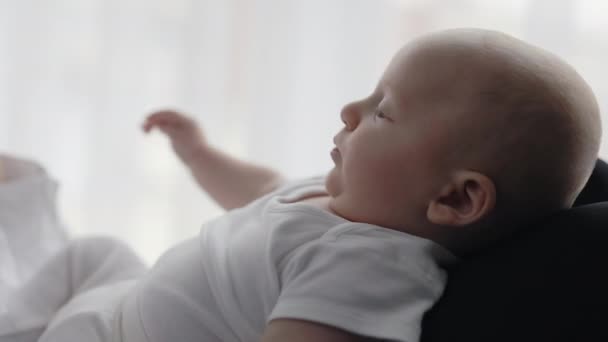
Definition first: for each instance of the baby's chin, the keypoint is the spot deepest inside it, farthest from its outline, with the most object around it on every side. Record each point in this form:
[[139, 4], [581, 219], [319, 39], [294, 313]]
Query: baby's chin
[[332, 183]]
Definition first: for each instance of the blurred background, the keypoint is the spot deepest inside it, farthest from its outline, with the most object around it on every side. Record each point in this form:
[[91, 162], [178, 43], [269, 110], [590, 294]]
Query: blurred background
[[265, 78]]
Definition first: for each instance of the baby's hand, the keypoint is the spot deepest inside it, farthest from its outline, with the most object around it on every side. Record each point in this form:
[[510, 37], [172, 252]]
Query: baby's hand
[[185, 134]]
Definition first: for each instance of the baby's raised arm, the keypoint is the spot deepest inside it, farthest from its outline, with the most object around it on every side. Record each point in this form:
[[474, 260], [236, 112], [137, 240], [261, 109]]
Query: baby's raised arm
[[231, 182]]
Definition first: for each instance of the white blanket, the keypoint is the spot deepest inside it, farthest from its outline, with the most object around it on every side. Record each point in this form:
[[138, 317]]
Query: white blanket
[[30, 229]]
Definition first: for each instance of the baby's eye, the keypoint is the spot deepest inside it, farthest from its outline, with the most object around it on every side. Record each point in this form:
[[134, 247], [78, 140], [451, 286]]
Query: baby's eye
[[379, 114]]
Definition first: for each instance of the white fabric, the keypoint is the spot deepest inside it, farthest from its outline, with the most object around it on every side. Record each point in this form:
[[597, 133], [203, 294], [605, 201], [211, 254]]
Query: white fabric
[[30, 230], [278, 259], [74, 295]]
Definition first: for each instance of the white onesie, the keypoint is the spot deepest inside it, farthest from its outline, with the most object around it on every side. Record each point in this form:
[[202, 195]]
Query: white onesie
[[278, 259], [274, 258]]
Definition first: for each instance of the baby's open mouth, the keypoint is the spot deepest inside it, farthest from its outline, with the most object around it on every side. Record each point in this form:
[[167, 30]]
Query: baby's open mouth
[[335, 154]]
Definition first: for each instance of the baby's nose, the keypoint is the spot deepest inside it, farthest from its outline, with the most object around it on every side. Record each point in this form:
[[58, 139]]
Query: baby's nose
[[350, 116]]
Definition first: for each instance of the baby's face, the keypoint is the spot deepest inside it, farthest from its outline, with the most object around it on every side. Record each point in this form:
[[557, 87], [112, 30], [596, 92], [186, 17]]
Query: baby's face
[[390, 158]]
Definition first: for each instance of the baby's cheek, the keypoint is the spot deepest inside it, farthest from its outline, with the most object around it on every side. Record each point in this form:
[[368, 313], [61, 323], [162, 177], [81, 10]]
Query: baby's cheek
[[373, 172]]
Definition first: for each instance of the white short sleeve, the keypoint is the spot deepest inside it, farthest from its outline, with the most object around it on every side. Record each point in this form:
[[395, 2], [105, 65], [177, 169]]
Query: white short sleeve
[[378, 286]]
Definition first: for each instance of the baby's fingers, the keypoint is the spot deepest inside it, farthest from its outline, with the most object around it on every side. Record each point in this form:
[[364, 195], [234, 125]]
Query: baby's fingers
[[161, 118]]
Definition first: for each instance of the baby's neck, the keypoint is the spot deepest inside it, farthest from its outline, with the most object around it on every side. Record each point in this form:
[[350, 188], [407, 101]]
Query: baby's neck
[[434, 234]]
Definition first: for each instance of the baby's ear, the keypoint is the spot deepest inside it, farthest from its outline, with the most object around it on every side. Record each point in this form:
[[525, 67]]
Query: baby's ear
[[467, 198]]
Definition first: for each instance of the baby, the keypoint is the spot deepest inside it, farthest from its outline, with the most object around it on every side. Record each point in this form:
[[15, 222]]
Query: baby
[[468, 135]]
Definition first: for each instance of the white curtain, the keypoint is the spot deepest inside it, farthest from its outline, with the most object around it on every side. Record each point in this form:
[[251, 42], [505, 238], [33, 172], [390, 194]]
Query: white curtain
[[265, 78]]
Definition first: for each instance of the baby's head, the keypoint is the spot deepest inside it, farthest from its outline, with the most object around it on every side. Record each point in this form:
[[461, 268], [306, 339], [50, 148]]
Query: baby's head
[[469, 134]]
